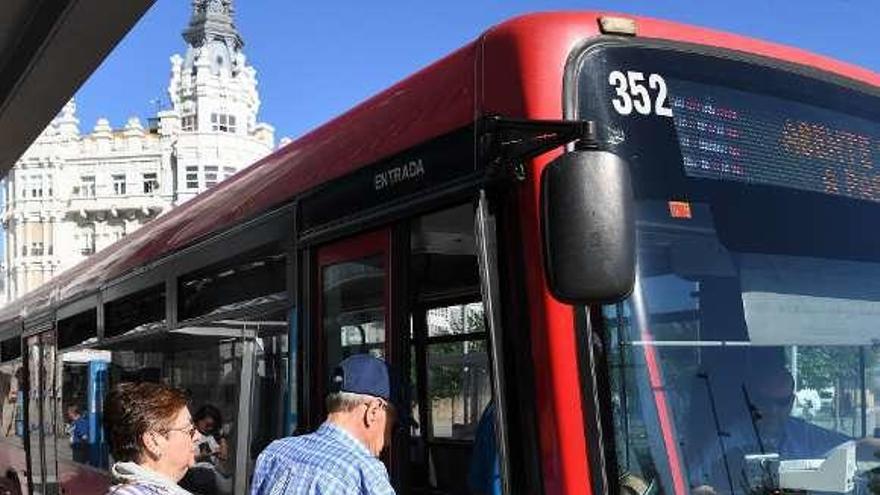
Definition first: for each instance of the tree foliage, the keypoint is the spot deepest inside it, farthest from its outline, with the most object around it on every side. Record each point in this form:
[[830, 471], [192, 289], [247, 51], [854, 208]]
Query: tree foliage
[[823, 367], [447, 380]]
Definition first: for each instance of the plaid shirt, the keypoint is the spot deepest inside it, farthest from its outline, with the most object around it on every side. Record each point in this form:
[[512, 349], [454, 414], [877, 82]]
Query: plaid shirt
[[327, 462]]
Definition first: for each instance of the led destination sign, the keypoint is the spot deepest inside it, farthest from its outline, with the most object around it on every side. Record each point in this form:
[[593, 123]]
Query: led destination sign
[[734, 135]]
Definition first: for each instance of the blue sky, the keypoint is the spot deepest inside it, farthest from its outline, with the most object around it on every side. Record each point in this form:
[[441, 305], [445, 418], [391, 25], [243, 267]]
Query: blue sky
[[317, 59]]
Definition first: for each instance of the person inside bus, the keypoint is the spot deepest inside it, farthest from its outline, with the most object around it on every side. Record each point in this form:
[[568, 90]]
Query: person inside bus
[[150, 432], [484, 472], [211, 473], [768, 395], [78, 432], [342, 455], [211, 444]]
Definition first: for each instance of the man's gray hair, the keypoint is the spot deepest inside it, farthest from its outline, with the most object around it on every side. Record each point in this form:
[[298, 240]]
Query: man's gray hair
[[345, 401]]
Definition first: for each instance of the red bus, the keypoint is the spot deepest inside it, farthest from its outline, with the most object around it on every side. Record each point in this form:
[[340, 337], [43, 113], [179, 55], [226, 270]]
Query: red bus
[[649, 245]]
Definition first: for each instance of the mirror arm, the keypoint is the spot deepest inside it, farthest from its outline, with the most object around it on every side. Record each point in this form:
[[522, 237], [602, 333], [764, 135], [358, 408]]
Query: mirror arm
[[505, 144]]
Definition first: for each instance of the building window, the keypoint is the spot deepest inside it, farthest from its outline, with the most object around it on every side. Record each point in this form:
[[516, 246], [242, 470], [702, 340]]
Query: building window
[[192, 177], [86, 187], [36, 249], [118, 232], [87, 240], [228, 172], [221, 122], [49, 184], [210, 176], [119, 184], [189, 123], [24, 187], [151, 183], [36, 188], [24, 249]]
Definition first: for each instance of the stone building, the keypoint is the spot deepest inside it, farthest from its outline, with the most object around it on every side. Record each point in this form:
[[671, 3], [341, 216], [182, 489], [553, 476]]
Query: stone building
[[73, 193]]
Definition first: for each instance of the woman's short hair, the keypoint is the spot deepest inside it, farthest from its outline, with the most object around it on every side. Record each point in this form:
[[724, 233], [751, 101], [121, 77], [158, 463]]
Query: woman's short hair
[[132, 409]]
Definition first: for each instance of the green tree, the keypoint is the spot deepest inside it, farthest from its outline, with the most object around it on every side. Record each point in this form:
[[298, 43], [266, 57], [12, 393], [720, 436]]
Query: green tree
[[447, 380], [824, 367]]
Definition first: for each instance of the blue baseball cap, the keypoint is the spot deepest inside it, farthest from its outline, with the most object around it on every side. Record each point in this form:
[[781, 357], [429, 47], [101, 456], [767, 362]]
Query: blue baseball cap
[[368, 375], [362, 374]]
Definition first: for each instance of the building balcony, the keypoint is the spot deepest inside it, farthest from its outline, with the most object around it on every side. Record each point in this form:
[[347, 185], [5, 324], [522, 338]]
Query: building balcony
[[115, 205], [29, 206]]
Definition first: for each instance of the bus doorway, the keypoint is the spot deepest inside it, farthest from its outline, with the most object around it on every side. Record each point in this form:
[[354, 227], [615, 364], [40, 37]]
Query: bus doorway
[[449, 350], [410, 294]]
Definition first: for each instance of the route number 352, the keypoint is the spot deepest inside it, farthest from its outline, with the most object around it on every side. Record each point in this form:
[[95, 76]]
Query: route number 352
[[632, 93]]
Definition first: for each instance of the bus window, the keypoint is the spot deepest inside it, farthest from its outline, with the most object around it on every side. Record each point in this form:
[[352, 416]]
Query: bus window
[[137, 312], [11, 402], [11, 392], [723, 358], [207, 363], [236, 311], [353, 299], [227, 285], [353, 309], [82, 376], [270, 400], [449, 348], [458, 369]]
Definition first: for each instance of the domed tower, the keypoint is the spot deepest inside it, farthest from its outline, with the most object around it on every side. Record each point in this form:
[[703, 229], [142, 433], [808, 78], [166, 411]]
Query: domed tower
[[213, 92]]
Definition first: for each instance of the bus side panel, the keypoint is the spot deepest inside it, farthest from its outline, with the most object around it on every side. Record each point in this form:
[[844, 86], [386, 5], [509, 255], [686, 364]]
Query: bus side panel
[[523, 69]]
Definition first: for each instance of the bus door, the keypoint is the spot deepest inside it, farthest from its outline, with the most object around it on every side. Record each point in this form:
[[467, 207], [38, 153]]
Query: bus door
[[352, 304], [355, 315], [41, 413], [449, 353]]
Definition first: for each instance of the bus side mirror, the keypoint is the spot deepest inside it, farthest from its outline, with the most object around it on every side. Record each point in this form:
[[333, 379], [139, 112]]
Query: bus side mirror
[[588, 227]]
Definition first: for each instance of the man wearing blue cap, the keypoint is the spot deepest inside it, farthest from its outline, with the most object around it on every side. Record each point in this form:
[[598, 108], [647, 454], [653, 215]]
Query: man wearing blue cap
[[341, 456]]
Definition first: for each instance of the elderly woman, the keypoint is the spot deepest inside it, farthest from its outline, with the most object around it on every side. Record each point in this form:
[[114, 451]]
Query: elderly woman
[[151, 433]]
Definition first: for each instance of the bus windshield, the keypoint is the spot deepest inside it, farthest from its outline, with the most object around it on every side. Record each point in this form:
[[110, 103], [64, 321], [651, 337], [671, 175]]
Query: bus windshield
[[746, 359]]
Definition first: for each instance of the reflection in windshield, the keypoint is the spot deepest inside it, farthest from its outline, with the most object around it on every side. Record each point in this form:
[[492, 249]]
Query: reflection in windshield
[[743, 372], [746, 359]]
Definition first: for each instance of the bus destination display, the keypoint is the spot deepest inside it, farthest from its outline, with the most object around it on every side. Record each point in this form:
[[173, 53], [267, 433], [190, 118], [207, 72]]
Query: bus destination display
[[727, 134]]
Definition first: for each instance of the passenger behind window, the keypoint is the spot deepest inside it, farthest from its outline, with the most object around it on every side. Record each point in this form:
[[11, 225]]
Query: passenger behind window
[[211, 473]]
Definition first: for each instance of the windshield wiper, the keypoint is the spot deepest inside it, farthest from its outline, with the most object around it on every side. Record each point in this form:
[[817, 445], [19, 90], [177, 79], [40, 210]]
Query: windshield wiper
[[718, 433], [754, 416], [768, 481]]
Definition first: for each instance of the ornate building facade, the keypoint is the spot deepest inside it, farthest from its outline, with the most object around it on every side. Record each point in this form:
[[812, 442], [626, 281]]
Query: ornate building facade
[[72, 194]]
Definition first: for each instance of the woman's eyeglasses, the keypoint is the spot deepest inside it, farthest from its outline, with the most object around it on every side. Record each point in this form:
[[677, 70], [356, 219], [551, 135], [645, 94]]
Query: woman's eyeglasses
[[189, 430]]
